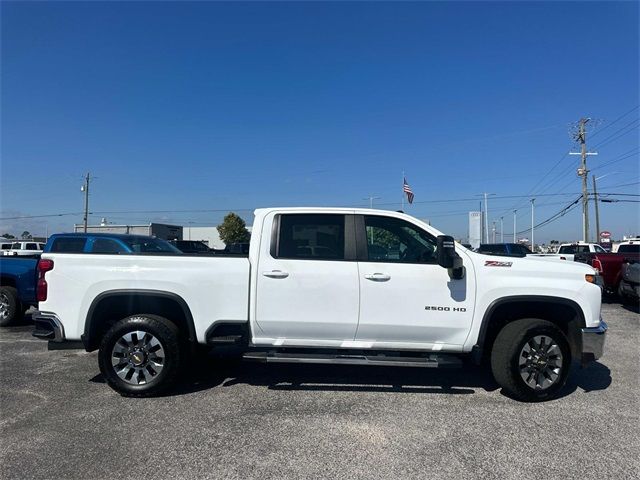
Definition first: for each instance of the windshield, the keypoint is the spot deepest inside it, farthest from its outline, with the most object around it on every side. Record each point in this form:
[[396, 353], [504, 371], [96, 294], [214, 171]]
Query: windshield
[[629, 248], [150, 245]]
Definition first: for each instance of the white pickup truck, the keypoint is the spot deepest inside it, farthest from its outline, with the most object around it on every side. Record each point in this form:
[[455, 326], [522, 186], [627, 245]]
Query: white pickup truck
[[568, 251], [324, 285]]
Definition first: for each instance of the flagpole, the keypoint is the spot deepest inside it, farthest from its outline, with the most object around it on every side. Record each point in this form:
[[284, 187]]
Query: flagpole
[[402, 207]]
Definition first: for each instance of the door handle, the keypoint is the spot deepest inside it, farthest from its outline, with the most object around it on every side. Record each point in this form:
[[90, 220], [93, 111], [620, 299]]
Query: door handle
[[275, 274], [378, 277]]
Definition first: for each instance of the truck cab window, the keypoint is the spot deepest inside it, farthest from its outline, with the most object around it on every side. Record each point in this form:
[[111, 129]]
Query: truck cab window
[[68, 245], [106, 245], [313, 237], [397, 241]]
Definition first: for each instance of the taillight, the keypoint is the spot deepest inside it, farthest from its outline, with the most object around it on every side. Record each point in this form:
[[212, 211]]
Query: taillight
[[44, 265], [597, 264]]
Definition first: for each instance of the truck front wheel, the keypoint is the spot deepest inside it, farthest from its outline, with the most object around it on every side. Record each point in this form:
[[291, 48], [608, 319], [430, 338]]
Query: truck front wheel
[[530, 359], [141, 355]]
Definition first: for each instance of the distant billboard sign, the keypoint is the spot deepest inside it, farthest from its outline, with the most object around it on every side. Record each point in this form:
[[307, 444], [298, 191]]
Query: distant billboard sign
[[475, 229], [605, 234]]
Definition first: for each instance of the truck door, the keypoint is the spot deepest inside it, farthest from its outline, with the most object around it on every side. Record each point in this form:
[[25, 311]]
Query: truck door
[[307, 280], [405, 296]]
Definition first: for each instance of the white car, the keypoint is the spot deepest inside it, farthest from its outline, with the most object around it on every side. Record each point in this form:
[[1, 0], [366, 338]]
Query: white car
[[324, 285], [25, 248]]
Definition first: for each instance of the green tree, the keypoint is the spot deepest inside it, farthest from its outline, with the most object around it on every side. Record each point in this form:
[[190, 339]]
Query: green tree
[[26, 235], [8, 236], [233, 230]]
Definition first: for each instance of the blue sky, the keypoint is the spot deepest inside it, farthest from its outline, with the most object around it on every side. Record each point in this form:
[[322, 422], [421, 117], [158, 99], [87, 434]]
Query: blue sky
[[233, 106]]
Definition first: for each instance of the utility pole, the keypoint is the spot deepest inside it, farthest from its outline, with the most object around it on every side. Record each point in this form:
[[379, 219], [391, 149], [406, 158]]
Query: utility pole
[[583, 172], [595, 198], [532, 243], [515, 240], [85, 189], [501, 229]]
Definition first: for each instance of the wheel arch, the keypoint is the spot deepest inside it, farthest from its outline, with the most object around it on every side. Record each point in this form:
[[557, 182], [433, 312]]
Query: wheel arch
[[563, 312], [7, 281], [113, 305]]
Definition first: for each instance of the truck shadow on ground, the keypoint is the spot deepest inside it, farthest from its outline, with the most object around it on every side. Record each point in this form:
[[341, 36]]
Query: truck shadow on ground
[[628, 305], [211, 373]]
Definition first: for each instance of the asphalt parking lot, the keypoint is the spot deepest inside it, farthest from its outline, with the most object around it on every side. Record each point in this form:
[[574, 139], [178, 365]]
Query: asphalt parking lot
[[233, 420]]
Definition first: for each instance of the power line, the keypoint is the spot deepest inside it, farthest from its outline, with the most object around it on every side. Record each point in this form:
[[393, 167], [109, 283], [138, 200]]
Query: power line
[[556, 216], [41, 216], [562, 174], [615, 121], [611, 138]]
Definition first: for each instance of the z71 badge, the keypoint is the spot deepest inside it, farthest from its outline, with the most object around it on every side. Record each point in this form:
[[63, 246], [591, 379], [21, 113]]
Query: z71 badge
[[494, 263]]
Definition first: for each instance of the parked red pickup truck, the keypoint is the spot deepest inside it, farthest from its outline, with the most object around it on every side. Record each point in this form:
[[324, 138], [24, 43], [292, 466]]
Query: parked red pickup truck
[[609, 265]]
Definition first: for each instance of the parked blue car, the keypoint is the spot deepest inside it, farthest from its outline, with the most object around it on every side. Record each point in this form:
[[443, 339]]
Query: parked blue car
[[18, 278]]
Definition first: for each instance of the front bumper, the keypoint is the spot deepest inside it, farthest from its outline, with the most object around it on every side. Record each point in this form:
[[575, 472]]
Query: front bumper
[[48, 327], [593, 342]]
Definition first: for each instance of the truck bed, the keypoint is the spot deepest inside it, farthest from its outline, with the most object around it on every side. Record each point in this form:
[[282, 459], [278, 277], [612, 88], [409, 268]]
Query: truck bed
[[214, 288]]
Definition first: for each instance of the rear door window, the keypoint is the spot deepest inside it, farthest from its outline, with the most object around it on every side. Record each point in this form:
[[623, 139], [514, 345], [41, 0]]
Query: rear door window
[[311, 237]]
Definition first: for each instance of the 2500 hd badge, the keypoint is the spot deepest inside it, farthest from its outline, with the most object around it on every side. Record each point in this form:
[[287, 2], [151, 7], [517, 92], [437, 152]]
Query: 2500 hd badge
[[446, 309]]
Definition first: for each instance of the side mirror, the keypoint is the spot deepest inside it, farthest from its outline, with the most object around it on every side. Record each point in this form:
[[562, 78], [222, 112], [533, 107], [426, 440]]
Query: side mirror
[[448, 258]]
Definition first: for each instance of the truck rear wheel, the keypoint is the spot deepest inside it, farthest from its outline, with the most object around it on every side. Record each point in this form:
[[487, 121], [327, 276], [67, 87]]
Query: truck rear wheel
[[10, 308], [531, 359], [141, 355]]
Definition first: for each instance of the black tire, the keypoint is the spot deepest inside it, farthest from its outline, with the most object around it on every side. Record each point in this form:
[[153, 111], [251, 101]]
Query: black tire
[[626, 299], [10, 308], [508, 350], [167, 335]]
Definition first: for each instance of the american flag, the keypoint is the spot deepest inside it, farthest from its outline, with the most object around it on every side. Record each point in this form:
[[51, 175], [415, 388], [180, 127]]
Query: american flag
[[407, 189]]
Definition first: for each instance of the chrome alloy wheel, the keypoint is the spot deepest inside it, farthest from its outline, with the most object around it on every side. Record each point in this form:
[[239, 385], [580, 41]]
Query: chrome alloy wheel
[[540, 362], [137, 357], [4, 306]]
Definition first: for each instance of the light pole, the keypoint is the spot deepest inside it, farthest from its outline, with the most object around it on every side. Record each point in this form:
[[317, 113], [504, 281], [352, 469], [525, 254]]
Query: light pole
[[532, 242], [371, 198], [486, 216], [515, 240], [501, 229]]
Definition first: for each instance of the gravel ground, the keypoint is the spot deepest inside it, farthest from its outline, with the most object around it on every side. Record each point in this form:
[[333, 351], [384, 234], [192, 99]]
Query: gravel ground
[[231, 420]]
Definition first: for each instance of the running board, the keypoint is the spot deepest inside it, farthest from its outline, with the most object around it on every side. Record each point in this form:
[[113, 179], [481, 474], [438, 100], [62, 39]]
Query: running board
[[428, 361]]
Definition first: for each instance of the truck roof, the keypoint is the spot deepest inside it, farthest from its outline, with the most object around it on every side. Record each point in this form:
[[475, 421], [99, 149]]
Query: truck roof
[[121, 236]]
